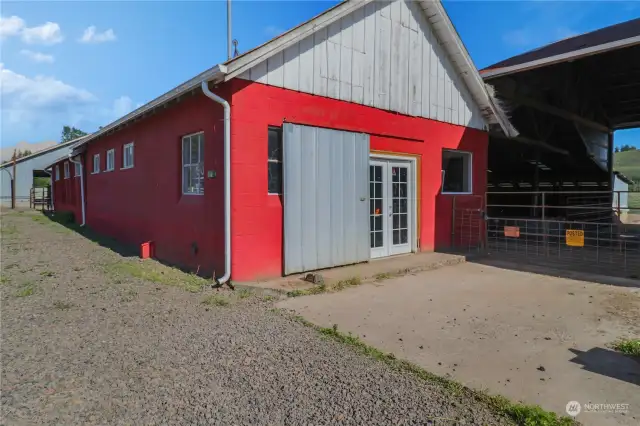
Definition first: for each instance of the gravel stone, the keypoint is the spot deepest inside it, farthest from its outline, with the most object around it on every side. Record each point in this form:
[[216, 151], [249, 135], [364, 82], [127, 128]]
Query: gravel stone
[[93, 348]]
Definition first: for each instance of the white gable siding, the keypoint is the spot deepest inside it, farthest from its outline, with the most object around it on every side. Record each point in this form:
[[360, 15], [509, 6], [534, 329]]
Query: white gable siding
[[383, 55]]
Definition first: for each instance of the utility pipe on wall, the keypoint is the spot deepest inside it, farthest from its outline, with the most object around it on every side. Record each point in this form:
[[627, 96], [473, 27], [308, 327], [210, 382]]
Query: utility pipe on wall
[[227, 179], [81, 186]]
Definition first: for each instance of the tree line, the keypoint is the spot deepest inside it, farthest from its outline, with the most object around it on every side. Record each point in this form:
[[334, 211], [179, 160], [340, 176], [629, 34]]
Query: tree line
[[625, 148]]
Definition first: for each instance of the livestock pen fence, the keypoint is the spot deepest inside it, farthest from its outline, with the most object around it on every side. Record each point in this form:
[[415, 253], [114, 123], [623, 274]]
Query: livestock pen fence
[[591, 231]]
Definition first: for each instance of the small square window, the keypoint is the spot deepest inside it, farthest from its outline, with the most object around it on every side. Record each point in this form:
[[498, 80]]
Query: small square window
[[66, 170], [274, 161], [111, 160], [456, 172], [96, 163], [127, 156]]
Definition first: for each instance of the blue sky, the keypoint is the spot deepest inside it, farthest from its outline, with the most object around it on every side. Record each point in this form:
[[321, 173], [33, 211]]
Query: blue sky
[[86, 63]]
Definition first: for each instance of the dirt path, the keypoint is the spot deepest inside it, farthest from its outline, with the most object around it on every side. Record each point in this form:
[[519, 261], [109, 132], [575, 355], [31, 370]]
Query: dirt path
[[92, 337]]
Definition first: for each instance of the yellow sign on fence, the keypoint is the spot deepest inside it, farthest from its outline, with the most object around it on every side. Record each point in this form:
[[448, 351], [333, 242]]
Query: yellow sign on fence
[[575, 237]]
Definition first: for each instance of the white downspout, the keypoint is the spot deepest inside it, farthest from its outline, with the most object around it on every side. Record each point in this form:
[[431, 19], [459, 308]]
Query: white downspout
[[81, 186], [227, 179]]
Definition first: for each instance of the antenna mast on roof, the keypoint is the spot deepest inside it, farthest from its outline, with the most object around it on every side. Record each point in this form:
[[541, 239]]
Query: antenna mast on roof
[[229, 49]]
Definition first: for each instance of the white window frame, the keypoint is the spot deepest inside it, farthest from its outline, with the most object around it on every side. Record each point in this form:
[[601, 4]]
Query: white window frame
[[110, 153], [66, 170], [469, 171], [191, 165], [124, 156], [96, 164], [76, 169], [57, 172]]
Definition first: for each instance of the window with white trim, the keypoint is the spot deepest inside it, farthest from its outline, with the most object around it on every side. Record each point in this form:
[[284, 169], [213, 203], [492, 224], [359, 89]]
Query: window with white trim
[[193, 164], [456, 172], [274, 161], [76, 169], [127, 156], [96, 163], [66, 170], [57, 172], [111, 160]]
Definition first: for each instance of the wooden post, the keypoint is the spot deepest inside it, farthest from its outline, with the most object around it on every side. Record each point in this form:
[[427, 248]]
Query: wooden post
[[13, 182]]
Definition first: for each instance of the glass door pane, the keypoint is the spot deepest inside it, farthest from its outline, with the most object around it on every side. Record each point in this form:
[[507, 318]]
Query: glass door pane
[[376, 209]]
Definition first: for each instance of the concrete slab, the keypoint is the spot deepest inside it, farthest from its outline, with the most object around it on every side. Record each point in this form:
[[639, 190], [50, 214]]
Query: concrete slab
[[529, 337], [384, 267]]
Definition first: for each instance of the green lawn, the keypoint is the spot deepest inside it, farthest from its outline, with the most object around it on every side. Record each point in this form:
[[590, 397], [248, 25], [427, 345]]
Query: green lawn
[[628, 163]]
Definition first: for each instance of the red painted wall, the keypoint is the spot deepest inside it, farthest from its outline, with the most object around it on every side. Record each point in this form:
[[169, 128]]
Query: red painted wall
[[145, 203], [257, 217], [66, 192]]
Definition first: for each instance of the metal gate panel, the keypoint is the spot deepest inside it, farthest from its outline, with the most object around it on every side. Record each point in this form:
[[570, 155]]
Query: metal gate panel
[[326, 198]]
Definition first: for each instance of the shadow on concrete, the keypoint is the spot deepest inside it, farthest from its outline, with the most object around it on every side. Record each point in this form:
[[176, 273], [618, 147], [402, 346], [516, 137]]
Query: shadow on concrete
[[609, 363], [550, 270]]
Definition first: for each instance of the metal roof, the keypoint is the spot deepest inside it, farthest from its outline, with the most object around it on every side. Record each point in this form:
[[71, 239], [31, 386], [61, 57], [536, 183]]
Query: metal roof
[[71, 144], [617, 36], [227, 70]]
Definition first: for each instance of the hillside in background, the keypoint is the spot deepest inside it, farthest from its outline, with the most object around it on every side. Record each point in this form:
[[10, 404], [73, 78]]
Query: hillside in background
[[628, 163]]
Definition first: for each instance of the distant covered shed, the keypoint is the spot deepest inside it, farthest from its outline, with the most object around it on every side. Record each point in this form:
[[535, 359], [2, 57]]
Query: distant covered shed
[[27, 168]]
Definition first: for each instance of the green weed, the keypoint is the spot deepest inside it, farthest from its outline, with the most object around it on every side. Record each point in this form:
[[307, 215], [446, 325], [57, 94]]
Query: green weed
[[244, 293], [25, 290], [216, 300], [62, 306], [628, 346]]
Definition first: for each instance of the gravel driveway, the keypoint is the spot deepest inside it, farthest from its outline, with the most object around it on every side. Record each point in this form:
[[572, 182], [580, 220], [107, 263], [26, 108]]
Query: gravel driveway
[[85, 340]]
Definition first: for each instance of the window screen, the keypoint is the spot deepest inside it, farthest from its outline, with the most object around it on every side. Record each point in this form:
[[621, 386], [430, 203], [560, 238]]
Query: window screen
[[111, 160], [77, 169], [456, 172], [274, 161], [96, 163], [127, 156], [193, 164], [66, 170]]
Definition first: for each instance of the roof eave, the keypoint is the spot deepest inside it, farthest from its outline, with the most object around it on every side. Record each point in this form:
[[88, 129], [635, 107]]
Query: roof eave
[[446, 32], [490, 73]]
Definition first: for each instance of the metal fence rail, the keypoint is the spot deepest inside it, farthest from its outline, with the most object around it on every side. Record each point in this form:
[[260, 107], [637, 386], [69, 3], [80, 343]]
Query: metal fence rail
[[587, 231]]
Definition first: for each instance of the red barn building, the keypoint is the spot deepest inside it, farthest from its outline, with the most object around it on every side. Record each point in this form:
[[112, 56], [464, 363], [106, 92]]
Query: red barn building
[[347, 138]]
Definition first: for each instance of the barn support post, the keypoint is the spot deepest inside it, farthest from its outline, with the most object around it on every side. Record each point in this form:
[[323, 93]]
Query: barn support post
[[13, 183], [612, 177]]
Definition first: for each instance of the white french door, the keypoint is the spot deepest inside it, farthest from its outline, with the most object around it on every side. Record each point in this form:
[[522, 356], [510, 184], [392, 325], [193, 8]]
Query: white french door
[[390, 207]]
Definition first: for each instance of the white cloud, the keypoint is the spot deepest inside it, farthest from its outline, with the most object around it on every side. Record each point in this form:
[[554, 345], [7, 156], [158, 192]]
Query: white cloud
[[273, 31], [37, 56], [122, 106], [29, 104], [38, 107], [91, 36], [11, 26], [48, 33]]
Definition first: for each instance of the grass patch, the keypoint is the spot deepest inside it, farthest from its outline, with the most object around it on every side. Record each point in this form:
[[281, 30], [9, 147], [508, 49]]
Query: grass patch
[[216, 300], [150, 270], [62, 306], [244, 293], [8, 229], [4, 280], [521, 414], [628, 346], [383, 276], [324, 288], [129, 295], [25, 290], [47, 274]]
